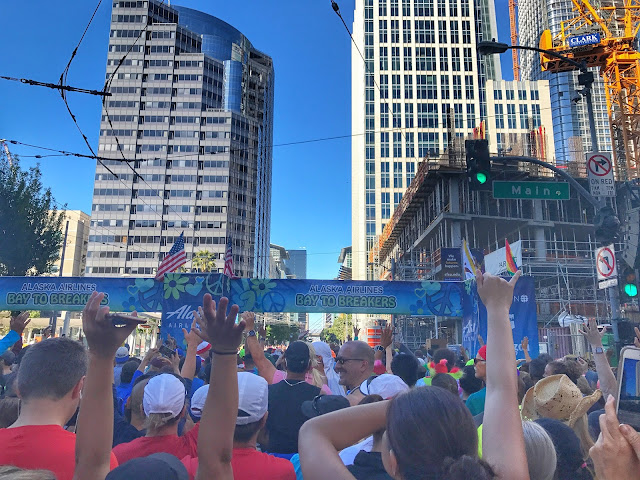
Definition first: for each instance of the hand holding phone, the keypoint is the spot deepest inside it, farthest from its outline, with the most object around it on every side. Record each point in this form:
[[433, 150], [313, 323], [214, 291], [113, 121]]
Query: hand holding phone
[[628, 408], [122, 320]]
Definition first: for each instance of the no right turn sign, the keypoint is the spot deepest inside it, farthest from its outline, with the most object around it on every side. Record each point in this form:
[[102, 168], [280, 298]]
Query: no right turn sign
[[600, 172]]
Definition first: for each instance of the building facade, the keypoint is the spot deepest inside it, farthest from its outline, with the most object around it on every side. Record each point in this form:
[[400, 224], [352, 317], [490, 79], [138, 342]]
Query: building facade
[[567, 107], [73, 254], [192, 112], [420, 92]]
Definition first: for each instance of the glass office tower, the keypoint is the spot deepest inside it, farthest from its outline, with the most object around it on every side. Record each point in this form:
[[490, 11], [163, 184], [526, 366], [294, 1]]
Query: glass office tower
[[192, 113]]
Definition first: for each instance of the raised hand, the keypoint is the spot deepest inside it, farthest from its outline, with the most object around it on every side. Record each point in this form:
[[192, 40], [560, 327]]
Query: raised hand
[[102, 337], [262, 332], [636, 341], [525, 344], [614, 457], [249, 320], [19, 322], [356, 332], [592, 334], [495, 292], [219, 328], [386, 337], [480, 340], [191, 337]]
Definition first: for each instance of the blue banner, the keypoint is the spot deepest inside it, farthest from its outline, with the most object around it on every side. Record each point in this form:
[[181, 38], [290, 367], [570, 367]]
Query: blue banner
[[522, 316]]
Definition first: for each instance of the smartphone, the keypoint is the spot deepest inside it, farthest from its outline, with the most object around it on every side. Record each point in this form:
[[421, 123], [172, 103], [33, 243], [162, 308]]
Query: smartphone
[[629, 387], [165, 351], [121, 320]]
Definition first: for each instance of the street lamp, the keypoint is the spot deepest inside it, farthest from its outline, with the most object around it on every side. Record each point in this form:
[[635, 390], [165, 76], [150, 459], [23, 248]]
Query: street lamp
[[585, 78]]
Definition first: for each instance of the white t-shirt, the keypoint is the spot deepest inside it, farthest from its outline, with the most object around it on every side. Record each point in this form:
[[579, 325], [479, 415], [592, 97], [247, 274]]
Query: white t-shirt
[[349, 454]]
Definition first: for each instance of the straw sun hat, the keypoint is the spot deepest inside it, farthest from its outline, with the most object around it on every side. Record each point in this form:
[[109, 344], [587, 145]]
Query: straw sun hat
[[559, 398]]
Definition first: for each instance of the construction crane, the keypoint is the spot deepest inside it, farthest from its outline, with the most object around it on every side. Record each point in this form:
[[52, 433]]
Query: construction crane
[[605, 36], [514, 39]]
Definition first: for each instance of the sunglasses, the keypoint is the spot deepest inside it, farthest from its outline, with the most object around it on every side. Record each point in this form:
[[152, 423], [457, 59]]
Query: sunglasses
[[342, 360], [477, 361]]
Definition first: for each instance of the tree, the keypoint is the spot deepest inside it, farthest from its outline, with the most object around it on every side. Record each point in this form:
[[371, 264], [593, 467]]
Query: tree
[[338, 332], [204, 261], [278, 334], [30, 224]]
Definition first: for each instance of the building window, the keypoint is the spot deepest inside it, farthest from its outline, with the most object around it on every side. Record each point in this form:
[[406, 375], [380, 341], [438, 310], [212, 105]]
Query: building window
[[394, 8], [464, 6], [384, 144], [382, 8], [510, 95], [384, 86], [424, 31], [406, 8], [397, 198], [455, 36], [408, 63], [408, 115], [397, 144], [425, 59], [395, 87], [522, 95], [457, 87], [468, 60], [524, 121], [385, 205], [444, 87], [535, 111], [395, 58], [408, 87], [471, 115], [384, 115], [406, 31], [382, 31], [455, 59], [411, 172], [499, 115], [410, 146], [397, 115], [423, 8], [384, 175], [395, 31], [442, 8], [535, 95], [458, 116], [442, 31], [511, 116], [497, 94], [427, 115], [397, 175], [444, 59], [428, 144], [466, 31], [384, 60], [469, 90]]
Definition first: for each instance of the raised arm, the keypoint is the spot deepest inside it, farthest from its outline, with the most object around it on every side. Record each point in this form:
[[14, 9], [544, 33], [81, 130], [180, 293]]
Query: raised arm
[[386, 340], [608, 383], [265, 368], [218, 423], [525, 348], [193, 340], [94, 431], [152, 352], [502, 438], [321, 439]]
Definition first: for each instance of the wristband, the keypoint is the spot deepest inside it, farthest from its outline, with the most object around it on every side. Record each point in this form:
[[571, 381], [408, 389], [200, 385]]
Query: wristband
[[224, 353]]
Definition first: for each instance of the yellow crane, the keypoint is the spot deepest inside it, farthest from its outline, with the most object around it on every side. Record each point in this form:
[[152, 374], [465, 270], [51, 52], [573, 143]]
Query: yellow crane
[[514, 39], [605, 36]]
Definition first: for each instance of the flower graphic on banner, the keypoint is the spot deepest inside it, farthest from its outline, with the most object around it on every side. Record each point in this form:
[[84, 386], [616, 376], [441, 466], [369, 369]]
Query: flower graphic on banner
[[419, 308], [129, 304], [262, 286], [174, 285], [431, 287], [144, 284]]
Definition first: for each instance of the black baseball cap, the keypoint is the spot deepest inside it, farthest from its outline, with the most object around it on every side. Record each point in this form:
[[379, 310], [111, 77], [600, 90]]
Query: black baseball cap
[[156, 466], [297, 356], [324, 404]]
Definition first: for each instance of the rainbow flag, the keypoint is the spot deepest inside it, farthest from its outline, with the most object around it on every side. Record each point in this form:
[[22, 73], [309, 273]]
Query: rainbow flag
[[512, 266]]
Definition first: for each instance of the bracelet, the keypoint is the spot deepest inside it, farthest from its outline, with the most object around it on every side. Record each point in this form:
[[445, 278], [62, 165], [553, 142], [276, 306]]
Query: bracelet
[[224, 353]]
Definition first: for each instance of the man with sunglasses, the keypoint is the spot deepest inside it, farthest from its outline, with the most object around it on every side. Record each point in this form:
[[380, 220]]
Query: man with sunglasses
[[354, 364], [475, 402]]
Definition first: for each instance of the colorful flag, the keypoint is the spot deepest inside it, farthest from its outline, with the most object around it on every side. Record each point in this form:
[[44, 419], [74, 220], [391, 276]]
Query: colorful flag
[[469, 264], [174, 259], [512, 266], [228, 260]]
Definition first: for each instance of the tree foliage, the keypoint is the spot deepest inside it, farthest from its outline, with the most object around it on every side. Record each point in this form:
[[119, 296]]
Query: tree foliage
[[30, 224], [341, 328], [278, 334], [204, 261]]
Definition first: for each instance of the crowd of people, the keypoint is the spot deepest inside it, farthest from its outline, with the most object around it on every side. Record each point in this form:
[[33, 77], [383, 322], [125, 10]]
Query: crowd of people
[[315, 411]]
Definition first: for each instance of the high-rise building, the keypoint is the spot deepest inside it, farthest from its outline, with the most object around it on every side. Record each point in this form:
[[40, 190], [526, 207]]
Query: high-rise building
[[572, 136], [297, 263], [192, 111], [73, 253]]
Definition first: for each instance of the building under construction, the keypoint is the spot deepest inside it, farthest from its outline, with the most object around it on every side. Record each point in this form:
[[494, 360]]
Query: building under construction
[[440, 211]]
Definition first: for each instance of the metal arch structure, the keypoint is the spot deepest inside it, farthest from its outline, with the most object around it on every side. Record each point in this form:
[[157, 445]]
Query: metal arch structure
[[617, 57]]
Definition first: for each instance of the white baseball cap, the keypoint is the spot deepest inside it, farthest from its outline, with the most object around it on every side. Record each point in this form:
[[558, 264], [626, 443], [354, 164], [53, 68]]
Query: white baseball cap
[[253, 398], [164, 394], [122, 354], [387, 386], [197, 400]]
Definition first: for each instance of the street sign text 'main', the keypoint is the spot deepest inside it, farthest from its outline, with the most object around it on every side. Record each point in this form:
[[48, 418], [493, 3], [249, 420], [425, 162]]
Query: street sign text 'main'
[[531, 190]]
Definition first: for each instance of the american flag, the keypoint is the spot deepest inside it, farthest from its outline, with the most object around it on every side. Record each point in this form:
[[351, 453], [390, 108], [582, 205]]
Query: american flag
[[174, 259], [228, 260]]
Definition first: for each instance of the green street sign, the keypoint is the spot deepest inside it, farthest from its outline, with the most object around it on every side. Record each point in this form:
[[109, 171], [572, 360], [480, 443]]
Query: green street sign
[[531, 190]]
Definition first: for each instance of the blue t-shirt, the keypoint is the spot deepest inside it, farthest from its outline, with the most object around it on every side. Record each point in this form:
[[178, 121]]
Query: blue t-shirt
[[475, 402]]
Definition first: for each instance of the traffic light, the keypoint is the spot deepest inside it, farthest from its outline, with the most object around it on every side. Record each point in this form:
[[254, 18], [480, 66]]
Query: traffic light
[[630, 235], [478, 164], [629, 285], [607, 226]]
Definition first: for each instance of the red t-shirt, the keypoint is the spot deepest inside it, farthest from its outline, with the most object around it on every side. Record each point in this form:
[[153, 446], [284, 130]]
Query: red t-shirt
[[143, 446], [46, 447], [250, 464]]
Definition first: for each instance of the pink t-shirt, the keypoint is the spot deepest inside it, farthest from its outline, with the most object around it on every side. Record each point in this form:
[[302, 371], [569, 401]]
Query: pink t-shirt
[[280, 375]]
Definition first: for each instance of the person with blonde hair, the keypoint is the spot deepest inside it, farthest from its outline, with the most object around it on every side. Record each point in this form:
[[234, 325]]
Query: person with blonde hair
[[541, 453], [327, 362]]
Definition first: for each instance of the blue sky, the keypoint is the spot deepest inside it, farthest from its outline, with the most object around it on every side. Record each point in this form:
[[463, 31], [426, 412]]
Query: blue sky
[[311, 196]]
